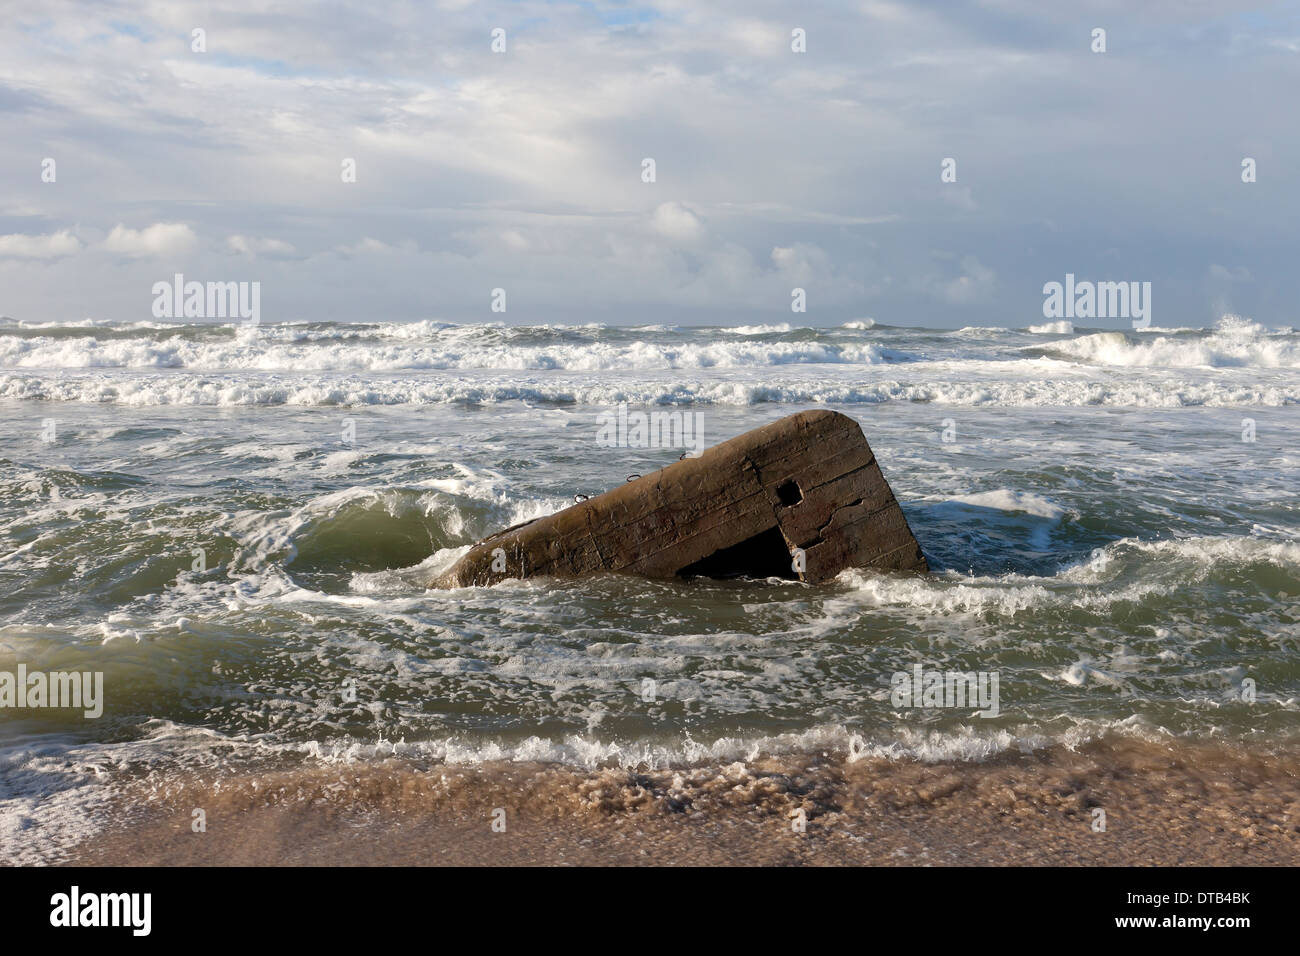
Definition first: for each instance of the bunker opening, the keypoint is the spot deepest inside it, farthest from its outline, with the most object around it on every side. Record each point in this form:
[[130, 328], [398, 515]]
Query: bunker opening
[[765, 555]]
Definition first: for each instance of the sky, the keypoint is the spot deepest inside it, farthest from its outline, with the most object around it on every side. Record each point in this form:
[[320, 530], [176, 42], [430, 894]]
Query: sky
[[523, 170]]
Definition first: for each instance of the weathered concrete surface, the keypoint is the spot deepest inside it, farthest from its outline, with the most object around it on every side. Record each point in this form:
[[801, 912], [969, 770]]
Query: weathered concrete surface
[[801, 498]]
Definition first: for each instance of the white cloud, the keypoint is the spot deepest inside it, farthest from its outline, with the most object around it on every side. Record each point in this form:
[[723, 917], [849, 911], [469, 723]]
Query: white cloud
[[253, 246], [973, 285], [959, 196], [162, 238], [477, 170], [886, 12], [675, 221], [801, 262], [53, 246], [1239, 274], [515, 240], [369, 246], [757, 38]]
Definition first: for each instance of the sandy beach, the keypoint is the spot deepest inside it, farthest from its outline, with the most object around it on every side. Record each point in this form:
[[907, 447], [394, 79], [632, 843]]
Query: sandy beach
[[1181, 805]]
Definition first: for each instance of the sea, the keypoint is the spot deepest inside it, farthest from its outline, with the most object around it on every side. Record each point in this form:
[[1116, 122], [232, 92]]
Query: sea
[[236, 527]]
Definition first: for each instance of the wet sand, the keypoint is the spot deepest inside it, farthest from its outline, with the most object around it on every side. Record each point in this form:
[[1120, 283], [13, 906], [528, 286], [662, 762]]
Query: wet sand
[[1164, 805]]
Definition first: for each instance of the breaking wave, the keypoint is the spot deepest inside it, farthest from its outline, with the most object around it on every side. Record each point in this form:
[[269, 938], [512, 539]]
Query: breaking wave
[[271, 389], [1233, 343], [418, 347]]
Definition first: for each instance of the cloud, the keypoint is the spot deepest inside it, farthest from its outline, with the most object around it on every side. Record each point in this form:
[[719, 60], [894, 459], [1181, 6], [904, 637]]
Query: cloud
[[975, 283], [959, 196], [676, 222], [160, 239], [53, 246], [371, 247], [801, 262], [775, 168], [1239, 274], [759, 38], [514, 239], [252, 246]]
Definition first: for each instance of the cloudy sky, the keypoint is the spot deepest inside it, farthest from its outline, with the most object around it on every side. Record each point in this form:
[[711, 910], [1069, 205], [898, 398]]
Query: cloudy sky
[[774, 169]]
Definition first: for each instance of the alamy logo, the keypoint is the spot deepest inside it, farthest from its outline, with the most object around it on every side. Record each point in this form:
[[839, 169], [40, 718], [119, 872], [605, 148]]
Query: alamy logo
[[926, 688], [56, 689], [1098, 300], [179, 299], [624, 429], [103, 909]]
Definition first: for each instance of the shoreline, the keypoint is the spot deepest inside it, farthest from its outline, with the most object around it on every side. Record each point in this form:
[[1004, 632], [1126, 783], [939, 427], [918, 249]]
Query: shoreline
[[1166, 804]]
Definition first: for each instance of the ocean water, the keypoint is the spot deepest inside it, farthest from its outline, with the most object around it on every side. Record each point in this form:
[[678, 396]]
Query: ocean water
[[236, 527]]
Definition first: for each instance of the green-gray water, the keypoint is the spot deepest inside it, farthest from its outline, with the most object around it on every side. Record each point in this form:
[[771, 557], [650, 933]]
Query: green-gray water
[[1101, 534]]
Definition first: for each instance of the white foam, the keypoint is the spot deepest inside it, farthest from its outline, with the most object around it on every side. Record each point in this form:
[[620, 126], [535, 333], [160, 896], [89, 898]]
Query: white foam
[[758, 329], [1063, 327], [1004, 499], [1234, 342], [1180, 562], [432, 362], [55, 795], [943, 385], [1214, 551], [282, 349]]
